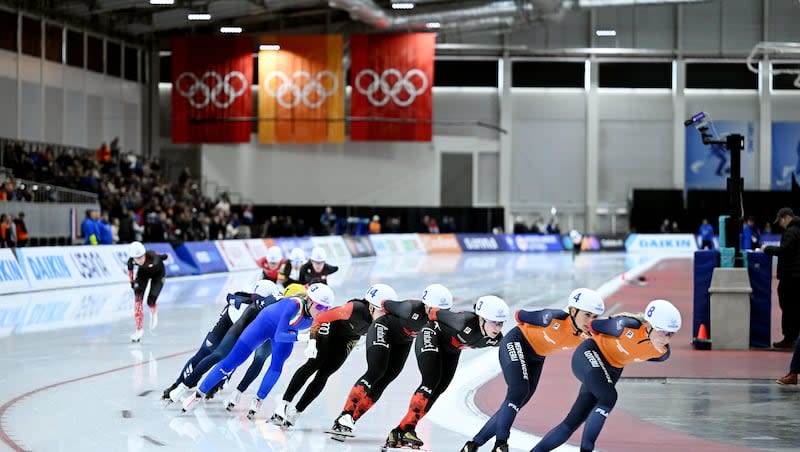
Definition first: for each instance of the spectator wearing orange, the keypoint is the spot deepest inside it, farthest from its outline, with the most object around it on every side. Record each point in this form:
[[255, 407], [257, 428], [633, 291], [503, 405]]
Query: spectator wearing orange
[[21, 229], [103, 153], [375, 225]]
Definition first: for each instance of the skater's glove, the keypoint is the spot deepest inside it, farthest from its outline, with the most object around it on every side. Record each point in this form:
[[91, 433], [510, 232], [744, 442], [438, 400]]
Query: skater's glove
[[311, 349], [304, 336]]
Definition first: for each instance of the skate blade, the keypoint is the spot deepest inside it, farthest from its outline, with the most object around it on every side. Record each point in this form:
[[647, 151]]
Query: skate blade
[[401, 448], [339, 436]]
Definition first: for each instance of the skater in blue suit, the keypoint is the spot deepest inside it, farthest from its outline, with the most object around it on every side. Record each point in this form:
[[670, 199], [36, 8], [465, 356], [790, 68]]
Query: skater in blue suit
[[279, 323]]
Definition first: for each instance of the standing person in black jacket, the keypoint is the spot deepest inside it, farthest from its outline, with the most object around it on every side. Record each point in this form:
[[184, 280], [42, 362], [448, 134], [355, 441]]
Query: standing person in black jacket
[[788, 276], [151, 268]]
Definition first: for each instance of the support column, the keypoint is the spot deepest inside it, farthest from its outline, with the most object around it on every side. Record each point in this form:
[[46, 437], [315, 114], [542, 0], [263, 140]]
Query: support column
[[592, 145], [764, 168], [678, 129], [505, 156]]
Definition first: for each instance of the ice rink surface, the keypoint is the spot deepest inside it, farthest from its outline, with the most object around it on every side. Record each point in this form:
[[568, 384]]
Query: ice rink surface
[[72, 381]]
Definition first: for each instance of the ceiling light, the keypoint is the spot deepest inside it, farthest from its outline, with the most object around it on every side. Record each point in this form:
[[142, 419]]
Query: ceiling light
[[606, 32], [433, 25], [230, 29], [273, 47], [199, 16], [162, 2], [403, 5]]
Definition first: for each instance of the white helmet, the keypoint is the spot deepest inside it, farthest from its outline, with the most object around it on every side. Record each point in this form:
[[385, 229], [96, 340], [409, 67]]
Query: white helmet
[[265, 288], [379, 292], [136, 249], [586, 300], [492, 308], [297, 255], [437, 296], [274, 254], [318, 254], [662, 315], [322, 294], [575, 236]]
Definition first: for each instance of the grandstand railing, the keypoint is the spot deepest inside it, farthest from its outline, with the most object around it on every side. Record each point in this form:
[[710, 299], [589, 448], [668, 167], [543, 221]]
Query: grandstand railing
[[53, 193]]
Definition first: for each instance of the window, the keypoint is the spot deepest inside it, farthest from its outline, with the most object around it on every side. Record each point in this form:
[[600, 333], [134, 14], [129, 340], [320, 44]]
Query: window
[[131, 64], [75, 48], [547, 74], [465, 73], [635, 75], [785, 81], [8, 30], [720, 76], [113, 59], [94, 54], [53, 35], [31, 36], [165, 69]]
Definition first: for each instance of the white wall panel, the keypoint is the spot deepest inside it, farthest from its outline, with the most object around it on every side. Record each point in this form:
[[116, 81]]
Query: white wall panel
[[734, 105], [654, 27], [74, 79], [53, 114], [466, 104], [30, 69], [8, 115], [548, 104], [132, 92], [94, 83], [635, 104], [94, 121], [741, 25], [53, 74], [113, 119], [112, 88], [31, 112], [132, 127], [8, 64], [74, 125], [784, 16], [381, 174], [701, 27], [488, 190], [785, 106]]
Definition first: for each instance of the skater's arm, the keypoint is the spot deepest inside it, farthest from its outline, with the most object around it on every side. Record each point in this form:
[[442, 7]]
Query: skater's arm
[[290, 317], [614, 326], [787, 246], [541, 317], [663, 357]]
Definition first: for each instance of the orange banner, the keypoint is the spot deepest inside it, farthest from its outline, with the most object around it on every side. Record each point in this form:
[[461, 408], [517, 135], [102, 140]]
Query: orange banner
[[440, 243], [300, 89]]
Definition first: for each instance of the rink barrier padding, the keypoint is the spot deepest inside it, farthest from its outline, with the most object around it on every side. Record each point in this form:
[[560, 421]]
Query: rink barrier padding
[[204, 256]]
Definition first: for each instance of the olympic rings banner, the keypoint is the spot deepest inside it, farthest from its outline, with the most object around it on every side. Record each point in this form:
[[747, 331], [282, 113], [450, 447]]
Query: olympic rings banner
[[211, 79], [301, 90], [392, 79]]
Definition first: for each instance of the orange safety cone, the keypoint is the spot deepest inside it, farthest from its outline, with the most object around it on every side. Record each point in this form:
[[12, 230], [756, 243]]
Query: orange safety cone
[[702, 341]]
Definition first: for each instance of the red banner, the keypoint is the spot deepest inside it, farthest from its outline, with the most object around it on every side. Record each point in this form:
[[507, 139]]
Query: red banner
[[392, 80], [211, 95]]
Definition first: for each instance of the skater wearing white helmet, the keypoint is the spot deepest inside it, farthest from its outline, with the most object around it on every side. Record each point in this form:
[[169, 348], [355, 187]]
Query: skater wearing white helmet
[[290, 273], [598, 364], [438, 348], [272, 263], [389, 341], [150, 268], [333, 336], [278, 323], [316, 269], [522, 355]]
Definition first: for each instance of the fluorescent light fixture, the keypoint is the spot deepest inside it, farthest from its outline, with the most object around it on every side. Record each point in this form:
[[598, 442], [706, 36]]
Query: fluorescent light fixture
[[606, 32], [403, 5], [162, 2], [230, 29], [269, 47], [199, 16], [599, 3], [433, 25]]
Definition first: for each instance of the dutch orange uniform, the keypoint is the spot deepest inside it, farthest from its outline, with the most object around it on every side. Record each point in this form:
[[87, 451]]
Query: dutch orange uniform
[[548, 330], [623, 340]]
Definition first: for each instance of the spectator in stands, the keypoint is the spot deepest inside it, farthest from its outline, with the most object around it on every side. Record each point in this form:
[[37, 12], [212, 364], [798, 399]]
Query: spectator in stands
[[103, 153], [674, 228], [327, 220], [394, 225], [788, 276], [5, 227], [106, 235], [21, 229], [224, 206], [247, 215], [751, 238], [665, 229], [519, 226], [232, 228], [115, 230], [89, 230], [9, 191], [273, 228], [125, 231], [706, 233], [448, 225], [540, 227], [433, 227], [216, 230], [375, 225], [553, 227]]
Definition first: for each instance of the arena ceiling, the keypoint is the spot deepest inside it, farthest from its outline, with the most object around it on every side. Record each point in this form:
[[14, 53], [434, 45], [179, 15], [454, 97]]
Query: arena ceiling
[[145, 20]]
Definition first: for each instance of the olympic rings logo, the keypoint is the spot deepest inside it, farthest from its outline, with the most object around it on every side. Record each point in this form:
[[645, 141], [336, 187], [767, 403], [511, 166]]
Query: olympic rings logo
[[390, 84], [210, 93], [312, 91]]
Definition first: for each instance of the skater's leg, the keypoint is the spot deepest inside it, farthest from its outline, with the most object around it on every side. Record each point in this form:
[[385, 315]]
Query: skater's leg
[[335, 357], [280, 353], [260, 356]]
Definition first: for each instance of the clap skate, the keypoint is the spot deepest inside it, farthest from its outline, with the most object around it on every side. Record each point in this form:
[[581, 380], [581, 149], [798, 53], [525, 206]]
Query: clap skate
[[191, 401], [137, 336], [342, 428], [233, 400], [178, 392], [404, 441], [470, 446], [255, 406]]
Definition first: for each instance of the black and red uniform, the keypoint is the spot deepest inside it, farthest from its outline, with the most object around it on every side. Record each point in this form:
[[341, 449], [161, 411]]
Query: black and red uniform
[[152, 269], [336, 332], [438, 348], [269, 271], [308, 276], [389, 340]]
